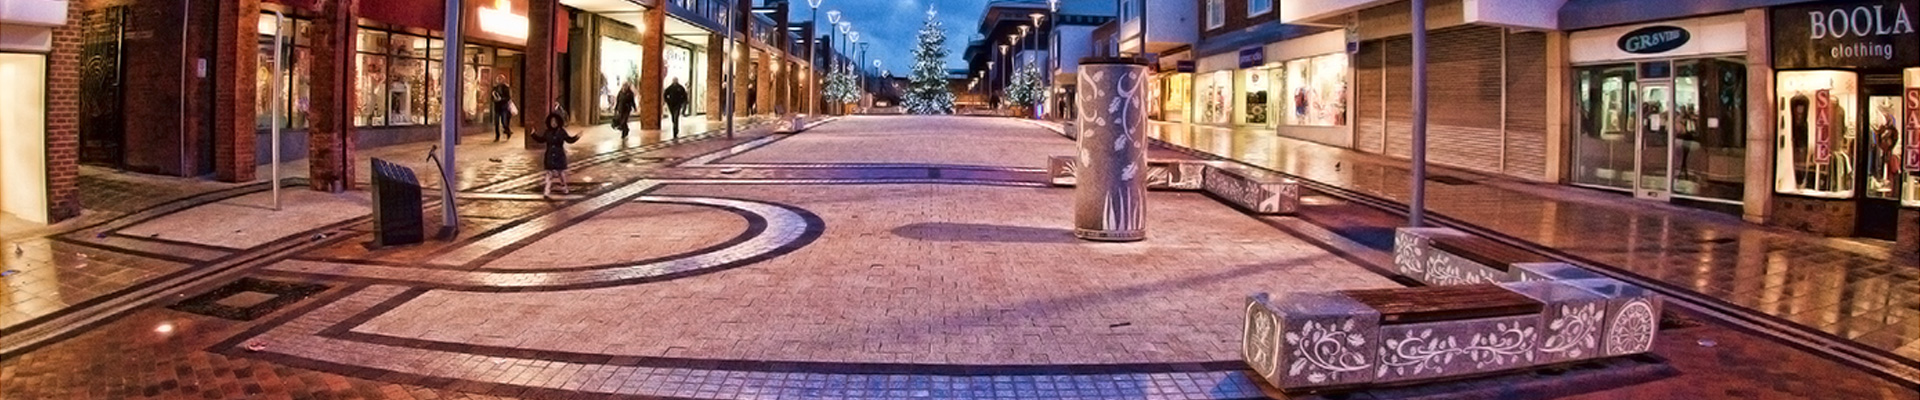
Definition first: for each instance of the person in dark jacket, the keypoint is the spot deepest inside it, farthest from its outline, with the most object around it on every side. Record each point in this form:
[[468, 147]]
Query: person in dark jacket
[[502, 107], [556, 139], [676, 98], [753, 99], [623, 109]]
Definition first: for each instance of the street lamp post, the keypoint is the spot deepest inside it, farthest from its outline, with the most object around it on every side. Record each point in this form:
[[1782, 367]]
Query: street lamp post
[[839, 63], [813, 48], [864, 85]]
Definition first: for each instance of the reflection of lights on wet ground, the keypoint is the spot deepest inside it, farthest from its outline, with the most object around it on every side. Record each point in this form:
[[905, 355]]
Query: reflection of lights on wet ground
[[1318, 200], [164, 328]]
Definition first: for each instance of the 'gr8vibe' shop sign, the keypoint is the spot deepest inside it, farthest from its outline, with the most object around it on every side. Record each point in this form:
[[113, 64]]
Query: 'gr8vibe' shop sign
[[1846, 34]]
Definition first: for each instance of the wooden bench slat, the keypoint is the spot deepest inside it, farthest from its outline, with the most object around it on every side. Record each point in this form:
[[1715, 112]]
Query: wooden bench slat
[[1487, 251], [1444, 303]]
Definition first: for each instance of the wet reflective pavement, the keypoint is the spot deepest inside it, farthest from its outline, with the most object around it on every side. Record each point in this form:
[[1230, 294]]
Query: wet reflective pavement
[[927, 264], [1819, 283]]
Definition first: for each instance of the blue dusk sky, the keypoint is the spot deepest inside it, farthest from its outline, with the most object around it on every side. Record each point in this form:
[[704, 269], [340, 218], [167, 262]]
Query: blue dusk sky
[[890, 25]]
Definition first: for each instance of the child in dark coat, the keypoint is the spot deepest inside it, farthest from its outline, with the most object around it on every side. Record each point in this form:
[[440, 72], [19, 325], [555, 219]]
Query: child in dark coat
[[556, 139]]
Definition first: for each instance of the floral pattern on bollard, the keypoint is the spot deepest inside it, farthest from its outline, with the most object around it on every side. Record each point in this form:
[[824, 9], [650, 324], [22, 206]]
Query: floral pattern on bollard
[[1110, 191]]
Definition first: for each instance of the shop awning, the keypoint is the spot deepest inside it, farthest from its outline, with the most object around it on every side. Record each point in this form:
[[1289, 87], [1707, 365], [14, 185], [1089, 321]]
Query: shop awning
[[1585, 14]]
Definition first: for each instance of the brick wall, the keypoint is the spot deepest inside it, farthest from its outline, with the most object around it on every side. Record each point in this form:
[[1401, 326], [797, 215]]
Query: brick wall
[[236, 59], [63, 119], [716, 69]]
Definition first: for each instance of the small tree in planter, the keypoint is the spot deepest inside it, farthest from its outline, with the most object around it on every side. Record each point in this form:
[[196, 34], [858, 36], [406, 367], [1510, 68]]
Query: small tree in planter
[[1026, 91]]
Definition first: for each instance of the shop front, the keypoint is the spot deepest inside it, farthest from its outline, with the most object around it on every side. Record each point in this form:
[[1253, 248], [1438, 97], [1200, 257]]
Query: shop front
[[1846, 93], [1173, 93], [1213, 90], [398, 55], [23, 137], [1660, 110]]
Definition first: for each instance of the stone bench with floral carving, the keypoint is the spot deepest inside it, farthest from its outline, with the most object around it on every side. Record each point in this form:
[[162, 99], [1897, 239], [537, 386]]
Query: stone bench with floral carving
[[1447, 256], [1307, 341], [1251, 189]]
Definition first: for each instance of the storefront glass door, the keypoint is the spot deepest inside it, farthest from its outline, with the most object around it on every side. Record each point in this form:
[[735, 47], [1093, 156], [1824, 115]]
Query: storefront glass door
[[1656, 130], [1880, 165]]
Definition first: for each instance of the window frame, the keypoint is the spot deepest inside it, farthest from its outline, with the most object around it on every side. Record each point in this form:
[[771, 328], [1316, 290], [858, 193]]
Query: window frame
[[1215, 21], [1252, 13]]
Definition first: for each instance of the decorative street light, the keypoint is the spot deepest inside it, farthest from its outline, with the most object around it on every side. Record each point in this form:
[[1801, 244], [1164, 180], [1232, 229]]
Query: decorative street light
[[1024, 33], [813, 47]]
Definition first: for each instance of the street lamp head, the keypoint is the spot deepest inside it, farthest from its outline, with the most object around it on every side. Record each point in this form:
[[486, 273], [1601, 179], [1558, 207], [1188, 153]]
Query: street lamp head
[[833, 16], [1023, 30], [876, 63], [816, 3], [855, 36], [1036, 18], [1054, 5], [846, 26]]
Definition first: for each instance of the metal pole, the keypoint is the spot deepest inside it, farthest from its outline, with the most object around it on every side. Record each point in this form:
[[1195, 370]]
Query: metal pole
[[813, 69], [279, 28], [733, 84], [1416, 216], [450, 119]]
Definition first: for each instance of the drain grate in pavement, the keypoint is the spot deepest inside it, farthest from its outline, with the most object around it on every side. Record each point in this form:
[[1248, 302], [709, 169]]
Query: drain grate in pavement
[[1670, 320], [1451, 180], [247, 298]]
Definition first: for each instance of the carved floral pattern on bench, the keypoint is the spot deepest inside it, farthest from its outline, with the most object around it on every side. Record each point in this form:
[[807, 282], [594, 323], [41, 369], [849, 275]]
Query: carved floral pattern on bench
[[1330, 350], [1509, 342], [1576, 331], [1251, 189]]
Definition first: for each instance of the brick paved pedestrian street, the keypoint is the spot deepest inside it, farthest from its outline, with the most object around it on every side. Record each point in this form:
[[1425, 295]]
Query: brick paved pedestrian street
[[868, 257]]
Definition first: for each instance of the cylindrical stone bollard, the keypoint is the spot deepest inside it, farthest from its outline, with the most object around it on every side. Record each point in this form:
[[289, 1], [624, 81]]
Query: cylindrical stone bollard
[[1110, 189]]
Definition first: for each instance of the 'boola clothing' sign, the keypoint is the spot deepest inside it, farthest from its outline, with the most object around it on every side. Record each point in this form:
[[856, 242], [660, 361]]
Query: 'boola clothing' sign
[[1846, 34]]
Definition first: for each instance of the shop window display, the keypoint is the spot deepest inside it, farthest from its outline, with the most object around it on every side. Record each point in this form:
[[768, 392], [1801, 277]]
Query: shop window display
[[1156, 89], [1884, 121], [1709, 126], [476, 78], [619, 64], [1179, 92], [296, 58], [1816, 126], [1213, 91], [1604, 145], [1317, 90], [371, 88], [1255, 106]]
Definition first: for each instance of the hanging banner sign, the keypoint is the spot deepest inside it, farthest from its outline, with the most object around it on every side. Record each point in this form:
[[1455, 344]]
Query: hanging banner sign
[[1822, 133], [1913, 129]]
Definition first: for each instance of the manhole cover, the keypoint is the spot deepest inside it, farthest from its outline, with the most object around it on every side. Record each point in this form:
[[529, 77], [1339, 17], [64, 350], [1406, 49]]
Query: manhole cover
[[248, 298]]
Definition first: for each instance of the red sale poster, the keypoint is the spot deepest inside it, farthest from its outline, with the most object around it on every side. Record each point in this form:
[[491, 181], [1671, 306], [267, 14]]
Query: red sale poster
[[1913, 129], [1823, 134]]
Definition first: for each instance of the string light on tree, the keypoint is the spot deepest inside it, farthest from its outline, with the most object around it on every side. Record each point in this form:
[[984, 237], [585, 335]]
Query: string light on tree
[[927, 84]]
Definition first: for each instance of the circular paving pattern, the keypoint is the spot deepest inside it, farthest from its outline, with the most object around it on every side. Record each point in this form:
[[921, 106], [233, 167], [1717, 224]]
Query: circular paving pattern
[[771, 230]]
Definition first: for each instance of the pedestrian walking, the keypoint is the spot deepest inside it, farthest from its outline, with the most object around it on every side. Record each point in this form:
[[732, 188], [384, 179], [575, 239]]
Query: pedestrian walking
[[503, 108], [753, 97], [556, 139], [676, 98], [623, 109]]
